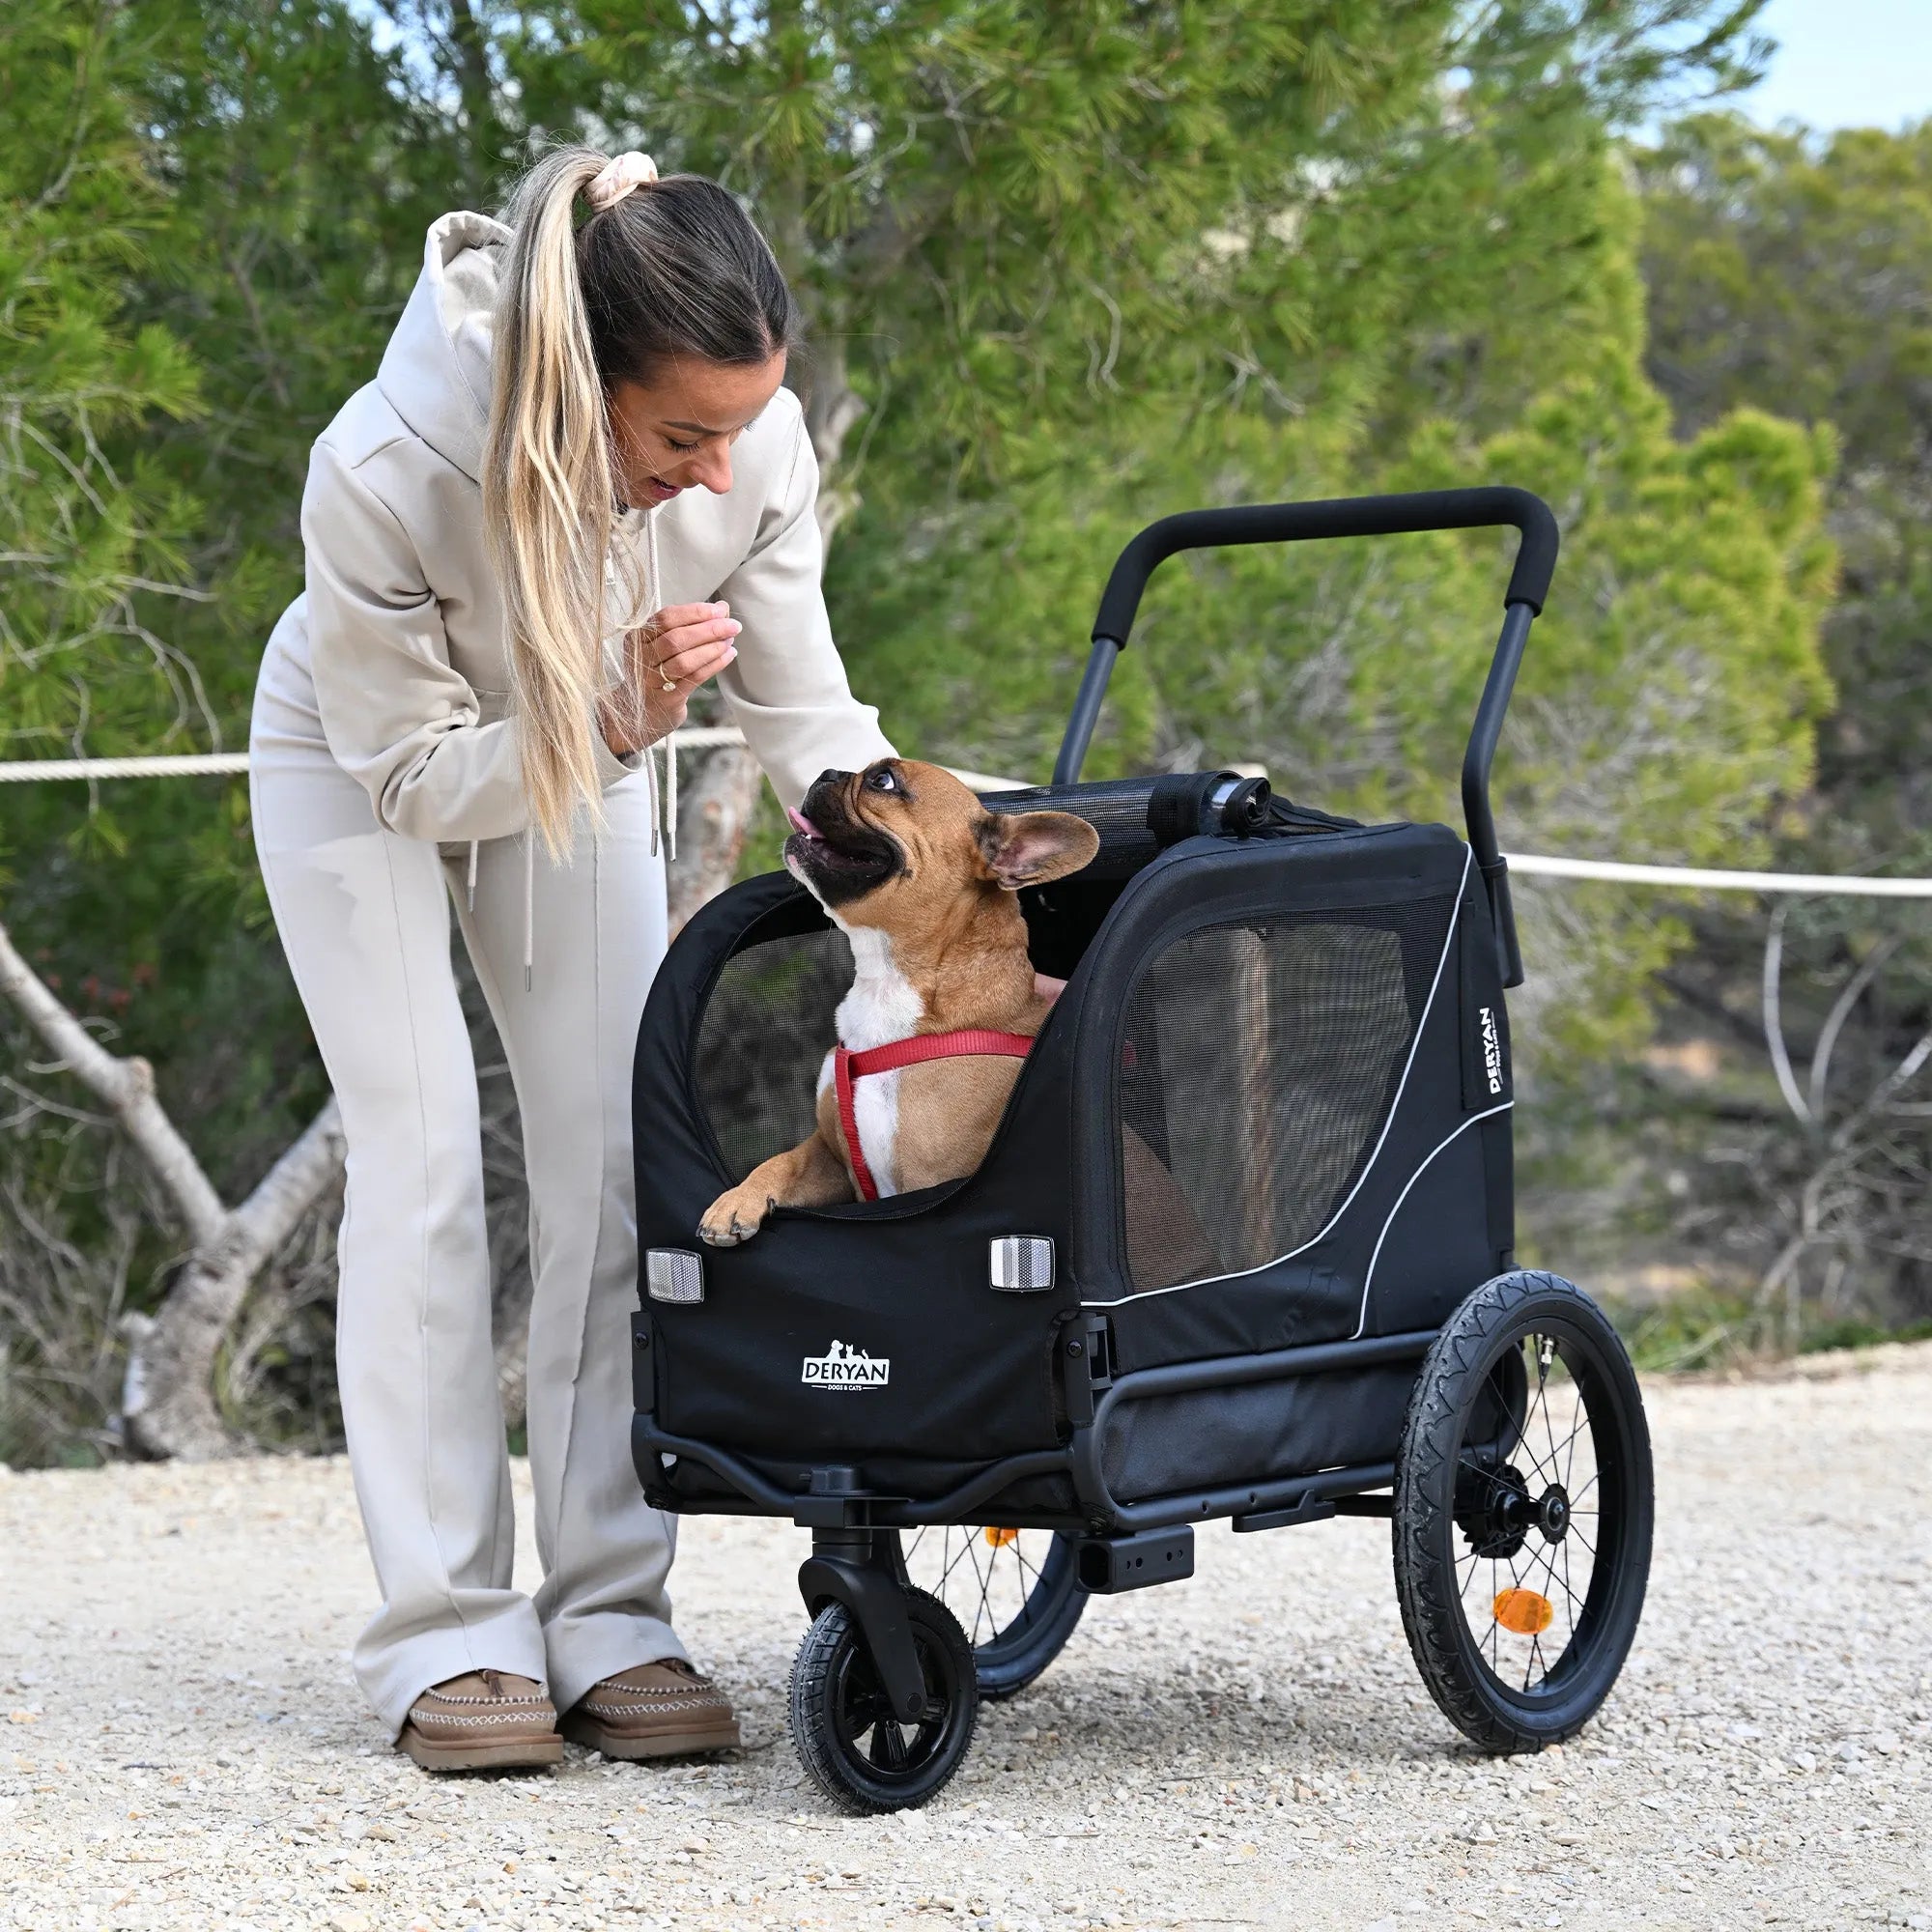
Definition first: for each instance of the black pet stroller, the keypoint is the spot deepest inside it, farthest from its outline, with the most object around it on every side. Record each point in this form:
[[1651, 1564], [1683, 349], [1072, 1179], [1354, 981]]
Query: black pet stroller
[[1242, 1247]]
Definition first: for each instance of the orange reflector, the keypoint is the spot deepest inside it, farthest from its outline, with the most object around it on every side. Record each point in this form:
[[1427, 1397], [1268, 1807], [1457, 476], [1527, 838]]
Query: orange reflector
[[1523, 1611], [999, 1538]]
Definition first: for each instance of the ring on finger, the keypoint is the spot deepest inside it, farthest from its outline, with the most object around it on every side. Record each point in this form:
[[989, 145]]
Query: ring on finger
[[664, 672]]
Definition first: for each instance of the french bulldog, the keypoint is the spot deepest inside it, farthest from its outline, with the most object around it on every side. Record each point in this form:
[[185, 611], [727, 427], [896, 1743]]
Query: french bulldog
[[922, 878]]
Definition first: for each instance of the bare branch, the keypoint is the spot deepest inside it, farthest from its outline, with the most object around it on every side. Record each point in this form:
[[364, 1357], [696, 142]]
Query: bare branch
[[1834, 1020], [125, 1086], [1773, 1026]]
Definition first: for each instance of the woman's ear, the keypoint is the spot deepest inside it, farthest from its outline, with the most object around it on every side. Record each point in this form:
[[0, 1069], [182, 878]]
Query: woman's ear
[[1027, 849]]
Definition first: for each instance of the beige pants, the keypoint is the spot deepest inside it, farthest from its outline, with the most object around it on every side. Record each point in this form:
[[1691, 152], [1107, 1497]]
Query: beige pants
[[364, 920]]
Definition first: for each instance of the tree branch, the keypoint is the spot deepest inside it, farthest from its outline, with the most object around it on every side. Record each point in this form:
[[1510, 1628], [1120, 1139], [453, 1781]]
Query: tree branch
[[125, 1086], [1773, 1025]]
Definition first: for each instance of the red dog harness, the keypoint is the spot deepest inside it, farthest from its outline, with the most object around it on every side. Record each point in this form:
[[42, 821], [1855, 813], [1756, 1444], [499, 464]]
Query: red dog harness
[[848, 1067]]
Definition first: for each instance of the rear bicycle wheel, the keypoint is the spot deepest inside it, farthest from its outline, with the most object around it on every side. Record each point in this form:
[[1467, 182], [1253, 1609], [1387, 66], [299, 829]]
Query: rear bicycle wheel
[[1014, 1592], [1522, 1512]]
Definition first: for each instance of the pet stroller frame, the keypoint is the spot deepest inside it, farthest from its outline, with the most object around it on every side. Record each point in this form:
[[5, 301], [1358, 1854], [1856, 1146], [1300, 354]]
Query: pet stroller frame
[[1242, 1248]]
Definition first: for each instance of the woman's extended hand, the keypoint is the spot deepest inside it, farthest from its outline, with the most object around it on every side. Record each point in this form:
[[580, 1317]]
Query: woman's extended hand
[[665, 660]]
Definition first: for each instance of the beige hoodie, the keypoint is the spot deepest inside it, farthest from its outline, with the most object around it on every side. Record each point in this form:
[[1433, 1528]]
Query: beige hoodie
[[402, 624]]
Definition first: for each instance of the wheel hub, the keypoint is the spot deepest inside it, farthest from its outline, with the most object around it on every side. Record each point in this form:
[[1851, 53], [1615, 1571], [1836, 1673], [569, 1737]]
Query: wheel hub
[[1553, 1514], [1494, 1510]]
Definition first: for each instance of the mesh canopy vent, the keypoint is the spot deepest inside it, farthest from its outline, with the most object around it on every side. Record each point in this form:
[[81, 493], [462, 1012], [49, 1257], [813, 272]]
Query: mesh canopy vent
[[765, 1033], [1115, 808], [1259, 1060]]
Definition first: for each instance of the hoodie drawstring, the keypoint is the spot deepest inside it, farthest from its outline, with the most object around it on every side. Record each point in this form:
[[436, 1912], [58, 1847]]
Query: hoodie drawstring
[[663, 804]]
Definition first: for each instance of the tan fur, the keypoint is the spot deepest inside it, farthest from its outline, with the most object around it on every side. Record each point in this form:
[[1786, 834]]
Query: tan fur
[[958, 938]]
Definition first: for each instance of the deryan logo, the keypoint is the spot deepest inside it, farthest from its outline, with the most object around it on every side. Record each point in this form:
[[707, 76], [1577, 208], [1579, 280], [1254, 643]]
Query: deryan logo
[[846, 1368], [1493, 1052]]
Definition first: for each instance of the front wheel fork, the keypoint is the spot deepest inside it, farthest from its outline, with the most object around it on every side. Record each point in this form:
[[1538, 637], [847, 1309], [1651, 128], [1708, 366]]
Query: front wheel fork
[[865, 1570]]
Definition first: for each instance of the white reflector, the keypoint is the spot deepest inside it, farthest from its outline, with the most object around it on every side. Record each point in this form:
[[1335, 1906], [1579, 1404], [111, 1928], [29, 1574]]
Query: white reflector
[[1022, 1264], [671, 1275]]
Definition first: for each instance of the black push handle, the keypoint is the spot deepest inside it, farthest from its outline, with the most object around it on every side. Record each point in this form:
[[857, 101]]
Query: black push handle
[[1492, 506]]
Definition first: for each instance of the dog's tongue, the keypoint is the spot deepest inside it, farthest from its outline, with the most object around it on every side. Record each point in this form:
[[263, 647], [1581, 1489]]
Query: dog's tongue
[[801, 823]]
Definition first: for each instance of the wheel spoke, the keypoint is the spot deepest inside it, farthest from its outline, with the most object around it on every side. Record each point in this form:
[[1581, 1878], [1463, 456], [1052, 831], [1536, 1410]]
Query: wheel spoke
[[1570, 1441], [1535, 1658], [982, 1577], [889, 1747], [1546, 1357], [945, 1576]]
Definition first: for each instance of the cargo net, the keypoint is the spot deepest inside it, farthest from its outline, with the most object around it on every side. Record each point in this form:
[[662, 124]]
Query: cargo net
[[1258, 1064], [765, 1033]]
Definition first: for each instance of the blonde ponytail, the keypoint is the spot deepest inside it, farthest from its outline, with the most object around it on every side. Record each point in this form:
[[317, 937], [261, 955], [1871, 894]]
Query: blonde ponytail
[[675, 270], [548, 493]]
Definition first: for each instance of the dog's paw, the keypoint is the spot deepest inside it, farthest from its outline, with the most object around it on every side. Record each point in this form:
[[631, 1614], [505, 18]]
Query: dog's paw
[[733, 1218]]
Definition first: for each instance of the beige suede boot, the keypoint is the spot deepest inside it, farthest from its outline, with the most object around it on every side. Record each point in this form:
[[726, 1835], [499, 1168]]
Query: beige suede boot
[[485, 1720], [653, 1710]]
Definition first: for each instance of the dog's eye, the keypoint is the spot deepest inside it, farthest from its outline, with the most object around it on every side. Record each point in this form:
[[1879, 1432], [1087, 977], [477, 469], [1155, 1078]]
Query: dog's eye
[[882, 781]]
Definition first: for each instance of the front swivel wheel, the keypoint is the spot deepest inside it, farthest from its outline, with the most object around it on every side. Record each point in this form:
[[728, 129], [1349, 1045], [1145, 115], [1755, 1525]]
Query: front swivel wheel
[[863, 1757]]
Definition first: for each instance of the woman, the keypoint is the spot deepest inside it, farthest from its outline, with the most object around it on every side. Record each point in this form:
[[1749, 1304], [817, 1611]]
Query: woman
[[575, 492]]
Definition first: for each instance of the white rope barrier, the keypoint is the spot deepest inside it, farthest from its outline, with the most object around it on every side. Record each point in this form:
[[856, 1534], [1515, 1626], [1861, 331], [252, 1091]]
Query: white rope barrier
[[219, 764], [700, 738], [200, 764], [1694, 878]]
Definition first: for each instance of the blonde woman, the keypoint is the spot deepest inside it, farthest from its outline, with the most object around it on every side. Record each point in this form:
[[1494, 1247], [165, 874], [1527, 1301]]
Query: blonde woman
[[575, 490]]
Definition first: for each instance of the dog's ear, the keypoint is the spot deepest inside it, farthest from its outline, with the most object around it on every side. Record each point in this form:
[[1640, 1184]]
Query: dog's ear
[[1027, 849]]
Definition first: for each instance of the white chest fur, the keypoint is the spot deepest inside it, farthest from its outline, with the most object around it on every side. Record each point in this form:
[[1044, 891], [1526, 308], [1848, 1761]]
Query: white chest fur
[[881, 1006]]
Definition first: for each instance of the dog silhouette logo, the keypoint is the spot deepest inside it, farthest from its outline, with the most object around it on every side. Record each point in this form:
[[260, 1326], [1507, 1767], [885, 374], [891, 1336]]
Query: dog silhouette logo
[[845, 1367]]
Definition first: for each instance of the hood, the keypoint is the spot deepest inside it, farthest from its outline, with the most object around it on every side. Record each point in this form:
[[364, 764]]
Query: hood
[[435, 372]]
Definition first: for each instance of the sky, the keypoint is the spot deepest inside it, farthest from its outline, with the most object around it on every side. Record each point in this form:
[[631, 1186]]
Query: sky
[[1845, 64]]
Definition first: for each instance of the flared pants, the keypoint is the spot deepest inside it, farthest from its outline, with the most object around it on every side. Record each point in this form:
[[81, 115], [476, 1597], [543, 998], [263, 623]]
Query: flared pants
[[364, 919]]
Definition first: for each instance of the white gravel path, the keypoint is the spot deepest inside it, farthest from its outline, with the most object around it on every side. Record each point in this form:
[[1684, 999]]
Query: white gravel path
[[185, 1748]]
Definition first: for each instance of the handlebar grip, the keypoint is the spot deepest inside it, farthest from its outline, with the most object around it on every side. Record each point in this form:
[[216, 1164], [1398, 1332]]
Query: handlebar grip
[[1407, 513]]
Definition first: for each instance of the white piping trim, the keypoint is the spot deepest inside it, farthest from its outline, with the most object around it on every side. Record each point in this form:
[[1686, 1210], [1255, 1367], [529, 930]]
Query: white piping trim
[[1414, 1046], [1489, 1113]]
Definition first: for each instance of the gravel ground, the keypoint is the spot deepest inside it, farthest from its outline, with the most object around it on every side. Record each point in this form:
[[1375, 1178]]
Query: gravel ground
[[186, 1749]]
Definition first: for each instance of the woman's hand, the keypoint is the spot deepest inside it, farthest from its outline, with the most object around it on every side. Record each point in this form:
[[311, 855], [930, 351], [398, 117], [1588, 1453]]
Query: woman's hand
[[665, 660]]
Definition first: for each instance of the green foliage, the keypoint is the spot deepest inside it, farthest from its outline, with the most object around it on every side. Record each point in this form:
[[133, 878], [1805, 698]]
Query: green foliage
[[1706, 1329], [1067, 267], [1789, 268], [1668, 700], [1791, 273], [82, 534], [1797, 274]]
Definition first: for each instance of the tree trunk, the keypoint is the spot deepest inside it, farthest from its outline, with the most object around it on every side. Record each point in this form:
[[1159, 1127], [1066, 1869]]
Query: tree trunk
[[167, 1400], [714, 811], [167, 1397]]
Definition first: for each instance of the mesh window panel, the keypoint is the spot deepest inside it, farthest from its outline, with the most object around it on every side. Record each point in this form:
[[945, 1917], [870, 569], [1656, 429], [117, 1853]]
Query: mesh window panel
[[1115, 808], [1258, 1064], [765, 1034]]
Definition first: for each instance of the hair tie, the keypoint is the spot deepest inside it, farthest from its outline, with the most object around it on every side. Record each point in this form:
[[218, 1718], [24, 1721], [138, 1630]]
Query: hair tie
[[618, 177]]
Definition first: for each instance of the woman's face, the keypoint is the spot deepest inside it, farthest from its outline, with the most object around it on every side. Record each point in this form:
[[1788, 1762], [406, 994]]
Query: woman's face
[[675, 432]]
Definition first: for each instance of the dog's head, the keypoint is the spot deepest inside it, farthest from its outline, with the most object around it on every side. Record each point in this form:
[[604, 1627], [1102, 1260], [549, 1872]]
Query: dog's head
[[894, 845]]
